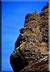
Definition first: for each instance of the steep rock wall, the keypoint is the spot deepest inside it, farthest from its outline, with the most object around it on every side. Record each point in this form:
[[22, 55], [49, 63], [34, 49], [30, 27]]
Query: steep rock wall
[[31, 47]]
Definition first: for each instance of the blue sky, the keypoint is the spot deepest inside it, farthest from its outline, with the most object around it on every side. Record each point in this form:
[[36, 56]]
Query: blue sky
[[13, 17]]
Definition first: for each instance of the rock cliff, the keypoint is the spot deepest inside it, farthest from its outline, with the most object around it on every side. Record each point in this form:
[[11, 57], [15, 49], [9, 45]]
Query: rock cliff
[[31, 47]]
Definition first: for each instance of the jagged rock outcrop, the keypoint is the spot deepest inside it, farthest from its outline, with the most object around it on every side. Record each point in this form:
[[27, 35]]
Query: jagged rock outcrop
[[31, 47]]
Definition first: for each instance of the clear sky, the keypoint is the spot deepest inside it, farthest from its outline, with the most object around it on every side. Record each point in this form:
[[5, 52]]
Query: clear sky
[[13, 17]]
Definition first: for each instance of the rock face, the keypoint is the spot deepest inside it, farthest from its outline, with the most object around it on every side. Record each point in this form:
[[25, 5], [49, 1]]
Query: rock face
[[31, 47]]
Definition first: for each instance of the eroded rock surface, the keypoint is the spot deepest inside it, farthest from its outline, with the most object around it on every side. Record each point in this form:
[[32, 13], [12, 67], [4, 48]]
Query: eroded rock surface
[[31, 47]]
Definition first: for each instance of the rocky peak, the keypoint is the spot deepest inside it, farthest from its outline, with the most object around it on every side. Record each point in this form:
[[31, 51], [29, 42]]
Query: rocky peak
[[46, 6], [31, 47]]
